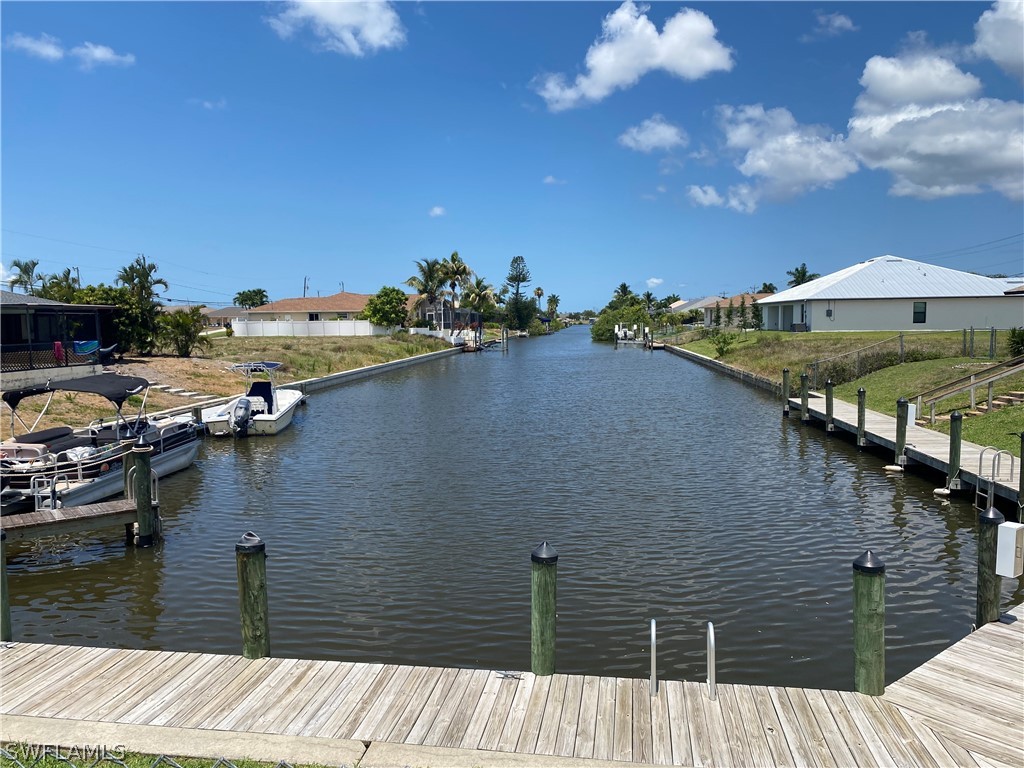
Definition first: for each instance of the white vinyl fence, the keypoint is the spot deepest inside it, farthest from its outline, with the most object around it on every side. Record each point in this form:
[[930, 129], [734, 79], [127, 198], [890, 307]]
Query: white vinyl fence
[[307, 328]]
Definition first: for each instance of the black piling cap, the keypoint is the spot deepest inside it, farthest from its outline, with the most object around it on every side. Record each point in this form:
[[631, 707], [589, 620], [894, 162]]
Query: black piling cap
[[862, 391], [869, 563], [785, 370], [250, 544], [991, 516], [902, 401], [544, 554], [956, 416]]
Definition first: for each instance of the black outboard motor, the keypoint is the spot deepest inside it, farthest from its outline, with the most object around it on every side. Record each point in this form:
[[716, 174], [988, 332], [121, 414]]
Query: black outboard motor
[[241, 417]]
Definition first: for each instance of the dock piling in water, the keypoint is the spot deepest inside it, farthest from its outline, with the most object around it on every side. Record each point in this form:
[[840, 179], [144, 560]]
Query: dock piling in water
[[785, 392], [902, 414], [805, 414], [869, 624], [862, 410], [5, 595], [989, 582], [251, 559], [544, 607], [956, 427], [143, 494], [829, 424]]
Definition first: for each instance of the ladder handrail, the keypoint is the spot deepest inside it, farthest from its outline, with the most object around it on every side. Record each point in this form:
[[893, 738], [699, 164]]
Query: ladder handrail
[[973, 379], [712, 689]]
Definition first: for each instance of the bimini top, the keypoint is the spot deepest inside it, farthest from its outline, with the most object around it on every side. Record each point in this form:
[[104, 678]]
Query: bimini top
[[260, 367], [114, 387]]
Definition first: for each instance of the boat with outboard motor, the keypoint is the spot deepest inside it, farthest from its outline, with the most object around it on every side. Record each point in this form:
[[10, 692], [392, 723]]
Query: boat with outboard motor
[[264, 409], [63, 466]]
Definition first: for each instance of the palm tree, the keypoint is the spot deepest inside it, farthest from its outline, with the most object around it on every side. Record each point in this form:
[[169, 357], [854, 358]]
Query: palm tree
[[538, 292], [553, 301], [139, 278], [800, 275], [60, 287], [623, 291], [456, 273], [428, 283], [649, 301], [26, 276], [479, 295]]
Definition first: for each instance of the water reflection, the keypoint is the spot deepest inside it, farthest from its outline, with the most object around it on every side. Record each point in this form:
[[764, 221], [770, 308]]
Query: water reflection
[[399, 514]]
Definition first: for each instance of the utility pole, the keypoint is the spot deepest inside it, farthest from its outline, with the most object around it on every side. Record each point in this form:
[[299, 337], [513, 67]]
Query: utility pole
[[305, 286], [78, 277]]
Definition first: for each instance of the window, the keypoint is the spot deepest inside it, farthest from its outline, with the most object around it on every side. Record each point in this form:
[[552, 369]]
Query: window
[[314, 316], [920, 311]]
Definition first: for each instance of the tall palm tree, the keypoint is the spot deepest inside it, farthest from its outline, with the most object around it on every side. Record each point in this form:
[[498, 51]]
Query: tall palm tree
[[553, 301], [140, 279], [479, 295], [61, 287], [456, 273], [539, 293], [623, 291], [26, 276], [800, 275], [428, 283], [649, 301]]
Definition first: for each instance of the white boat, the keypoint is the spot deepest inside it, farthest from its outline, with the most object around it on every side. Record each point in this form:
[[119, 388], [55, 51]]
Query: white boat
[[62, 466], [264, 409]]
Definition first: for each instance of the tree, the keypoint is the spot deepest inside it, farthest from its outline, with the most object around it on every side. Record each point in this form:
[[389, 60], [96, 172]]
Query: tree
[[730, 314], [479, 296], [62, 287], [669, 300], [25, 275], [253, 297], [428, 283], [744, 316], [553, 301], [768, 288], [757, 317], [800, 275], [387, 307], [538, 294], [139, 278], [456, 273], [518, 311], [649, 301], [717, 316], [622, 292], [183, 330]]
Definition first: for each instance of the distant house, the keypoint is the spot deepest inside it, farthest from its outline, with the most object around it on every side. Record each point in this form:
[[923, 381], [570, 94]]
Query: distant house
[[747, 299], [218, 316], [690, 304], [333, 315], [893, 294]]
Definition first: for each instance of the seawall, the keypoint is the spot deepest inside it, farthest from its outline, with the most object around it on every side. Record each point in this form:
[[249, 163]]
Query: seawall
[[751, 379]]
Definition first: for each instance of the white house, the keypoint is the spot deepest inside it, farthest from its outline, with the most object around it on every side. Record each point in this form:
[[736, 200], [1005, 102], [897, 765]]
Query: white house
[[702, 303], [893, 294]]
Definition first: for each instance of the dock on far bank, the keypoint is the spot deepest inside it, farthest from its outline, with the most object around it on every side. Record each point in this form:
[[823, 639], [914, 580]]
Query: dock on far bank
[[927, 447], [961, 708]]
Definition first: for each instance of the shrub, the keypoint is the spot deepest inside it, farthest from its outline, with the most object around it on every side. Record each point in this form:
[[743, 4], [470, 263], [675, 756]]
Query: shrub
[[1016, 342], [723, 342]]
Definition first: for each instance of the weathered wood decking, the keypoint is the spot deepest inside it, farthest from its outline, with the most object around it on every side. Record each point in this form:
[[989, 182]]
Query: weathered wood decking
[[63, 520], [924, 446], [963, 708]]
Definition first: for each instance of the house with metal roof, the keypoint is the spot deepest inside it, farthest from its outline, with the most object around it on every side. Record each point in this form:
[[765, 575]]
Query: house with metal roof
[[687, 305], [888, 293]]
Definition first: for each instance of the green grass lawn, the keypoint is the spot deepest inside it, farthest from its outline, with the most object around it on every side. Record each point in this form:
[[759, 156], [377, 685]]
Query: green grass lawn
[[27, 756]]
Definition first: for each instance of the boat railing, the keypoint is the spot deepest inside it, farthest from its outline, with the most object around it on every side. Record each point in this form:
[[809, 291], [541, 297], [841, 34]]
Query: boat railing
[[43, 489]]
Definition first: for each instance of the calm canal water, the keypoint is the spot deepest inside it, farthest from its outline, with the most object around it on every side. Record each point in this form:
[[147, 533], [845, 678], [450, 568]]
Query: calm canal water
[[399, 514]]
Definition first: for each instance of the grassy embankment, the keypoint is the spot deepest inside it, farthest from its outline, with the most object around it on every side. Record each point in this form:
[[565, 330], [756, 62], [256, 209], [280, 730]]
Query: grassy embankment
[[206, 372], [768, 352]]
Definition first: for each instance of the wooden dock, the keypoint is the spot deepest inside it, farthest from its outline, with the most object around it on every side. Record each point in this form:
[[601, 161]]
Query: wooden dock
[[962, 708], [924, 446], [63, 520]]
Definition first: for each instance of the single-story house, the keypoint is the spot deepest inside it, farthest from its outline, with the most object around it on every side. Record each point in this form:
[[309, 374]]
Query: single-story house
[[888, 293], [45, 339], [688, 304], [747, 299], [217, 316], [339, 306]]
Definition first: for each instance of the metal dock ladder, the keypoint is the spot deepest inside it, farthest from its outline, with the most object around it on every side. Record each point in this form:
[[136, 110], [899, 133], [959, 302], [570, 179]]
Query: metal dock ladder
[[983, 499]]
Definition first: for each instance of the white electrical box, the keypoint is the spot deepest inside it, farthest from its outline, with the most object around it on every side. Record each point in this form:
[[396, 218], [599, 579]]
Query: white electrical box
[[1010, 550]]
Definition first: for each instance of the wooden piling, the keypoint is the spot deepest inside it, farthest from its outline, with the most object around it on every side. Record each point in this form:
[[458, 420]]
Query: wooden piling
[[1020, 485], [862, 396], [127, 462], [5, 595], [144, 495], [989, 583], [956, 427], [902, 414], [785, 392], [829, 423], [869, 624], [251, 559], [544, 607], [805, 414]]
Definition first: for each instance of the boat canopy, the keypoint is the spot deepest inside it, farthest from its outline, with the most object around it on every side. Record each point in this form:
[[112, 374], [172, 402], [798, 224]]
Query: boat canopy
[[114, 387], [259, 367]]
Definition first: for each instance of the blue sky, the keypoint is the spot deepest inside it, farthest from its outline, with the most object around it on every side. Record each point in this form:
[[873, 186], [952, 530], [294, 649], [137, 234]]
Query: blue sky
[[687, 149]]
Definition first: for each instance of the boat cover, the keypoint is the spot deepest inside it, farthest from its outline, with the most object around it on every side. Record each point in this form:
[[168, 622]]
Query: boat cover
[[259, 367], [114, 387]]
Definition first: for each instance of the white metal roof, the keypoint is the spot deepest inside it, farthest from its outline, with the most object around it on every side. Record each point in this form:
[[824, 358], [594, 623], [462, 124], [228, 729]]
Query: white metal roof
[[706, 301], [890, 277]]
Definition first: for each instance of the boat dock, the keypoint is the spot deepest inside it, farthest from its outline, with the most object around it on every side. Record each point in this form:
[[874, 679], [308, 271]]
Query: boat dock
[[924, 446], [64, 520], [962, 708]]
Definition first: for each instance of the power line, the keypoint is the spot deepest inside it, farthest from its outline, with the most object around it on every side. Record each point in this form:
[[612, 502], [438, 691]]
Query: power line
[[967, 250], [69, 242]]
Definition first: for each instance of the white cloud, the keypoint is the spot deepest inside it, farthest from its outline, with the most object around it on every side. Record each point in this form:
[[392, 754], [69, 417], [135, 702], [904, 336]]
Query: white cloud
[[43, 47], [662, 189], [653, 282], [705, 196], [999, 36], [743, 198], [787, 158], [654, 133], [351, 28], [922, 119], [829, 25], [630, 46], [549, 179], [436, 211], [210, 104], [92, 55]]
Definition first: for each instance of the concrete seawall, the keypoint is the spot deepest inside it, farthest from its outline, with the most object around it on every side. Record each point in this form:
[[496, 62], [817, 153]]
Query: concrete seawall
[[751, 379]]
